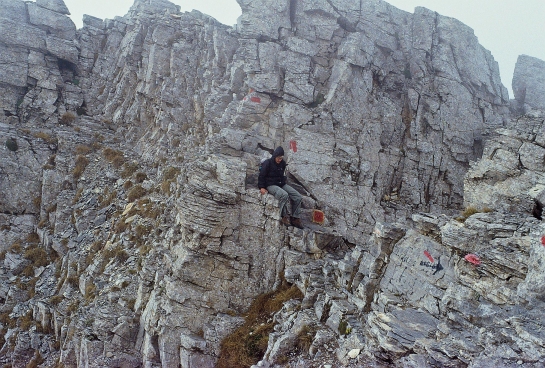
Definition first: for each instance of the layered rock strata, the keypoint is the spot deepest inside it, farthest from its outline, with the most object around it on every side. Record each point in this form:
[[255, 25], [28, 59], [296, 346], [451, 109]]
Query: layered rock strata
[[131, 228]]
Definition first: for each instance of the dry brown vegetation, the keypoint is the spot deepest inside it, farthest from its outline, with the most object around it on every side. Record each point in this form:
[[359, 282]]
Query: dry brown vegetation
[[90, 291], [68, 118], [305, 337], [73, 281], [46, 137], [26, 321], [117, 253], [471, 210], [169, 176], [115, 157], [38, 256], [107, 198], [247, 344], [79, 192], [140, 177], [129, 169], [33, 238], [37, 202], [82, 149], [56, 299], [136, 192], [16, 247], [73, 306], [81, 165]]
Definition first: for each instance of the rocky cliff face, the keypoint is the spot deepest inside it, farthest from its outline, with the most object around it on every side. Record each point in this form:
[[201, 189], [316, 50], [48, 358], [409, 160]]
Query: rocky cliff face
[[133, 233], [529, 83]]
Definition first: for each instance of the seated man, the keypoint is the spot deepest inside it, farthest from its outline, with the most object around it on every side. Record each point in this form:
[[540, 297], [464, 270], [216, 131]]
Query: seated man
[[273, 180]]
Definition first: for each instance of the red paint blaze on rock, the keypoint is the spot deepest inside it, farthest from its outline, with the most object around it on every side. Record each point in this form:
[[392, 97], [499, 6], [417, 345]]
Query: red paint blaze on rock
[[427, 254], [293, 146], [255, 99], [472, 258], [543, 240], [317, 216]]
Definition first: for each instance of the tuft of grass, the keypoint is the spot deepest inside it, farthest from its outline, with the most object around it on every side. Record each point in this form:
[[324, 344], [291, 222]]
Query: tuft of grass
[[83, 149], [90, 291], [129, 169], [117, 253], [56, 299], [107, 198], [171, 173], [136, 192], [79, 192], [142, 230], [140, 177], [33, 238], [81, 165], [36, 360], [247, 344], [67, 118], [26, 321], [46, 137], [169, 176], [73, 306], [120, 226], [16, 247], [127, 185], [28, 271], [38, 256], [37, 202], [7, 321], [51, 208], [305, 337], [115, 157], [73, 281], [471, 210]]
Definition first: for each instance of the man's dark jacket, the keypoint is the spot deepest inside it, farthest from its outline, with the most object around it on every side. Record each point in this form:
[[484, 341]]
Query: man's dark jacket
[[272, 173]]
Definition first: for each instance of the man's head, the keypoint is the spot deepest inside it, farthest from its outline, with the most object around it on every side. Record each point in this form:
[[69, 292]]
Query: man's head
[[278, 154]]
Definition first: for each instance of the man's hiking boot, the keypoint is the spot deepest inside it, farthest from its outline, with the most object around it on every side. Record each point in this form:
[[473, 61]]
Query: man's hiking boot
[[285, 220], [296, 222]]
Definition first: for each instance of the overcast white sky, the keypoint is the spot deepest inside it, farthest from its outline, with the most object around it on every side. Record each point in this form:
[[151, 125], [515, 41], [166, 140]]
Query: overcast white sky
[[508, 28]]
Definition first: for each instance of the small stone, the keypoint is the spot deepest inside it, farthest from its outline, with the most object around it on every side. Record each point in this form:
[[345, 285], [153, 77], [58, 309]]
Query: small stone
[[109, 354], [354, 353], [327, 365]]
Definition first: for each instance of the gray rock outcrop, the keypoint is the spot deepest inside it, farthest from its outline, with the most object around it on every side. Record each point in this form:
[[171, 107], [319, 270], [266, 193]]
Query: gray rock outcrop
[[132, 231], [529, 83]]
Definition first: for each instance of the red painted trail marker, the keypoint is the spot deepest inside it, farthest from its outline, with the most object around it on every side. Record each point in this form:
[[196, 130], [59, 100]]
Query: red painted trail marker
[[427, 254], [543, 240], [293, 146], [318, 217], [472, 258], [255, 99]]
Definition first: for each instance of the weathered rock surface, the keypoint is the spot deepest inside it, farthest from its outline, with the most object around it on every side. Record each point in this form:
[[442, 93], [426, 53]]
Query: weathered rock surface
[[132, 231], [529, 83]]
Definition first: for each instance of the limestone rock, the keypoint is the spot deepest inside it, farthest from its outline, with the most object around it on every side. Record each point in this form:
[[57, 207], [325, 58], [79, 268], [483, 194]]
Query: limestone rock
[[59, 24], [133, 230], [56, 5], [14, 10], [529, 82]]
